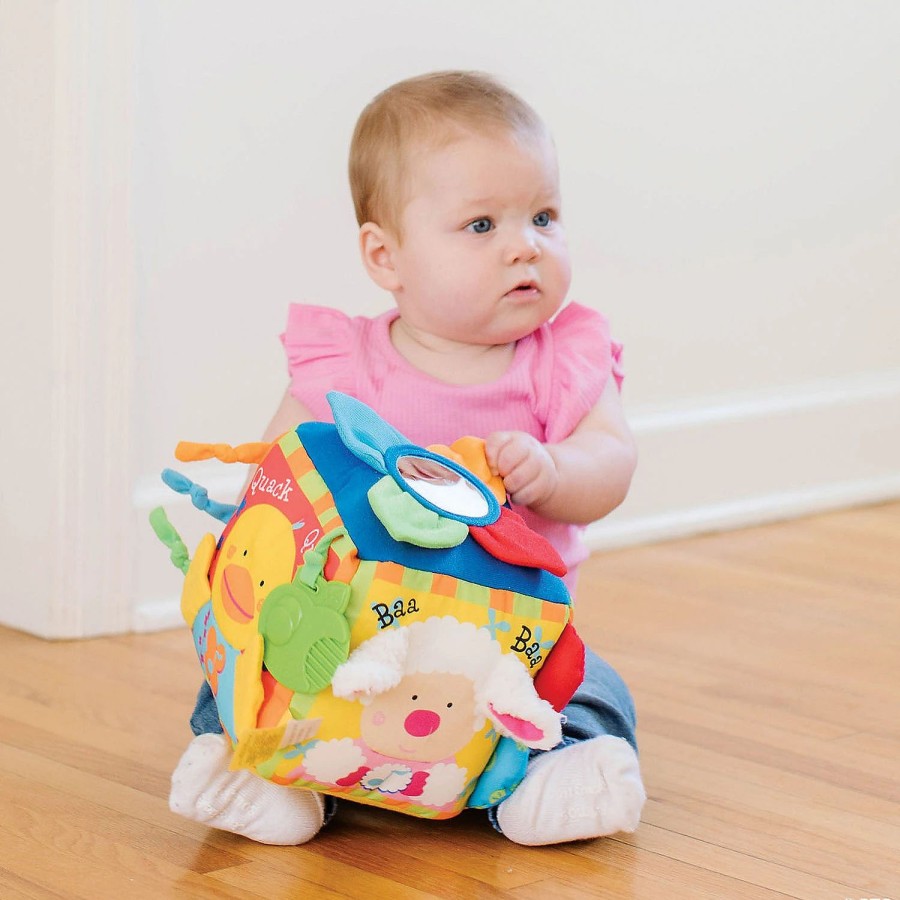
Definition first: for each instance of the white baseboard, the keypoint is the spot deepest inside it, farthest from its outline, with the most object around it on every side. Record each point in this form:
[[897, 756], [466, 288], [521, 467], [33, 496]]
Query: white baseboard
[[750, 460], [688, 522], [159, 615], [729, 464]]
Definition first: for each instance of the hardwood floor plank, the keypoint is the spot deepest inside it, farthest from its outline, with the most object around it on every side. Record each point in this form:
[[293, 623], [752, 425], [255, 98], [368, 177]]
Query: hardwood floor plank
[[13, 887], [317, 876], [650, 875], [99, 870], [745, 865]]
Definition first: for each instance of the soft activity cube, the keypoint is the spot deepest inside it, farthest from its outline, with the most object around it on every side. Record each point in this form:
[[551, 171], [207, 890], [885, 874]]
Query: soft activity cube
[[374, 621]]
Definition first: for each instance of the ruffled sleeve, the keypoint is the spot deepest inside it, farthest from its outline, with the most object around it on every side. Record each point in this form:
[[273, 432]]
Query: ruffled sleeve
[[583, 358], [319, 343]]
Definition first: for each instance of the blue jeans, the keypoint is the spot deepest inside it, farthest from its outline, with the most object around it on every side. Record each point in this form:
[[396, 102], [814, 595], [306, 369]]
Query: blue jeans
[[602, 705]]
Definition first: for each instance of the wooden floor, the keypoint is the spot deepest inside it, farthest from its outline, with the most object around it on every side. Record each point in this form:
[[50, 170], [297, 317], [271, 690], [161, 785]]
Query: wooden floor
[[766, 669]]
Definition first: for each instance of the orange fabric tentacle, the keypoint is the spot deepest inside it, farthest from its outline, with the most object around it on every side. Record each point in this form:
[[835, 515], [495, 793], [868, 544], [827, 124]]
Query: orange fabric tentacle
[[189, 451]]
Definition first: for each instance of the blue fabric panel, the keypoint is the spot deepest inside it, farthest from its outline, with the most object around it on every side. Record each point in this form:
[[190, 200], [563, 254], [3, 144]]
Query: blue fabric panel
[[349, 480], [501, 776], [203, 623]]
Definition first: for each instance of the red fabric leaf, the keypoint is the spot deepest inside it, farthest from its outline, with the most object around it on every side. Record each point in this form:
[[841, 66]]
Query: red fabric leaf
[[563, 670], [509, 539]]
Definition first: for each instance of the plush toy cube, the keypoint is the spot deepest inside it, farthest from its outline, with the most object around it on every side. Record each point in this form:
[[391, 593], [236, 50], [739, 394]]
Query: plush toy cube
[[374, 621]]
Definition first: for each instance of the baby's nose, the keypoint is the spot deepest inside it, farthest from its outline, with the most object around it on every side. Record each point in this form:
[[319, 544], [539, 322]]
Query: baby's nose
[[523, 248], [422, 722]]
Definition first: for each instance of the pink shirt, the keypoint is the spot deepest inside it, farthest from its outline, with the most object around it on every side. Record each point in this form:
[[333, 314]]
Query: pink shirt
[[557, 375]]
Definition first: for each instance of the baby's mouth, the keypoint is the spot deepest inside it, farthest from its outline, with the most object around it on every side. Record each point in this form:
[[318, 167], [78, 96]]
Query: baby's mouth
[[524, 289]]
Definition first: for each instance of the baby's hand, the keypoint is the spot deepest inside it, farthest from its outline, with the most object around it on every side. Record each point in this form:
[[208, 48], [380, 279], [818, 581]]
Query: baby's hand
[[528, 471]]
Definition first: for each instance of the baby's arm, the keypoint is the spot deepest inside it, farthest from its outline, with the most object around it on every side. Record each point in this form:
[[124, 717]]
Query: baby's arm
[[578, 480], [290, 413]]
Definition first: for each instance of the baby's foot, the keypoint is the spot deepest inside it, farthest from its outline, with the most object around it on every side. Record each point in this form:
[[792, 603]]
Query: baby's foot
[[204, 790], [585, 790]]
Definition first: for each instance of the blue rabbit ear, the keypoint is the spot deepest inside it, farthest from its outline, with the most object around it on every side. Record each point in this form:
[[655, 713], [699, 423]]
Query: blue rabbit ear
[[364, 433]]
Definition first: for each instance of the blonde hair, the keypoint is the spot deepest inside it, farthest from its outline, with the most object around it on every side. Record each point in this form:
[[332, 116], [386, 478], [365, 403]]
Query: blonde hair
[[428, 110]]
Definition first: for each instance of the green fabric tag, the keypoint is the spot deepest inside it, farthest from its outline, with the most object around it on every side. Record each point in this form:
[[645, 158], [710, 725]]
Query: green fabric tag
[[305, 633], [407, 520]]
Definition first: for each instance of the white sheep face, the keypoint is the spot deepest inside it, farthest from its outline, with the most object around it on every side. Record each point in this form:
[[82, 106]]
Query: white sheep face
[[425, 718]]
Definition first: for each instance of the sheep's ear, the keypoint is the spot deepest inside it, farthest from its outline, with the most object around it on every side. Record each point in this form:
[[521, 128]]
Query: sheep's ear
[[515, 709], [523, 730], [374, 667], [539, 728]]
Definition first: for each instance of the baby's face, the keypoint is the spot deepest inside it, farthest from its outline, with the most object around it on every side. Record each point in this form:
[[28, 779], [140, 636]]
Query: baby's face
[[483, 258]]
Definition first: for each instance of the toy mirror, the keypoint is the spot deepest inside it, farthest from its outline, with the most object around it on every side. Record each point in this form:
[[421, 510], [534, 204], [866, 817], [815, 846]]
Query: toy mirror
[[442, 485]]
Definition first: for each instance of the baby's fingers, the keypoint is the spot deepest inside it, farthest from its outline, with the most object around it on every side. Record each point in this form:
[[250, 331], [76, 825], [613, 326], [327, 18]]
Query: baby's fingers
[[516, 458], [492, 448]]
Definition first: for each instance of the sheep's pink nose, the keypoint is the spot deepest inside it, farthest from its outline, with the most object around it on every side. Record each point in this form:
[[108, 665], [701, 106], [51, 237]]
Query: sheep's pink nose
[[422, 722]]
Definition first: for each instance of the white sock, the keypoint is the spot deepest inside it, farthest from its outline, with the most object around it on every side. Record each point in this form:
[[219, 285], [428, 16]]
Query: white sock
[[205, 791], [585, 790]]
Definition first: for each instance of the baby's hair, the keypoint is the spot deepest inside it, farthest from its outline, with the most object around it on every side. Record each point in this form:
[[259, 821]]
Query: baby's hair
[[428, 110]]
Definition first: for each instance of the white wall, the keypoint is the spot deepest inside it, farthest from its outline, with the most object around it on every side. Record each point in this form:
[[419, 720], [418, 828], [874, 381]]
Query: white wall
[[26, 217], [67, 336], [732, 198]]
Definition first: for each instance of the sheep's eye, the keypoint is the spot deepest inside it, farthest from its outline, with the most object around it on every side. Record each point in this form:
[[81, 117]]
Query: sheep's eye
[[415, 696], [449, 706]]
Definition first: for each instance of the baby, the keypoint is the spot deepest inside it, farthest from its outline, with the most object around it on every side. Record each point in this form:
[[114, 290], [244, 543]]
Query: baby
[[456, 189]]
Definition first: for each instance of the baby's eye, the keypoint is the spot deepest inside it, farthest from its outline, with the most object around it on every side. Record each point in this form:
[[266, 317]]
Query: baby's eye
[[480, 226], [542, 219]]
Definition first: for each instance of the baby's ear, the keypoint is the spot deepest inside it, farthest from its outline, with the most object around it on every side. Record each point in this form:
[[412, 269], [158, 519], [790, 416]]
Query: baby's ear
[[376, 248]]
